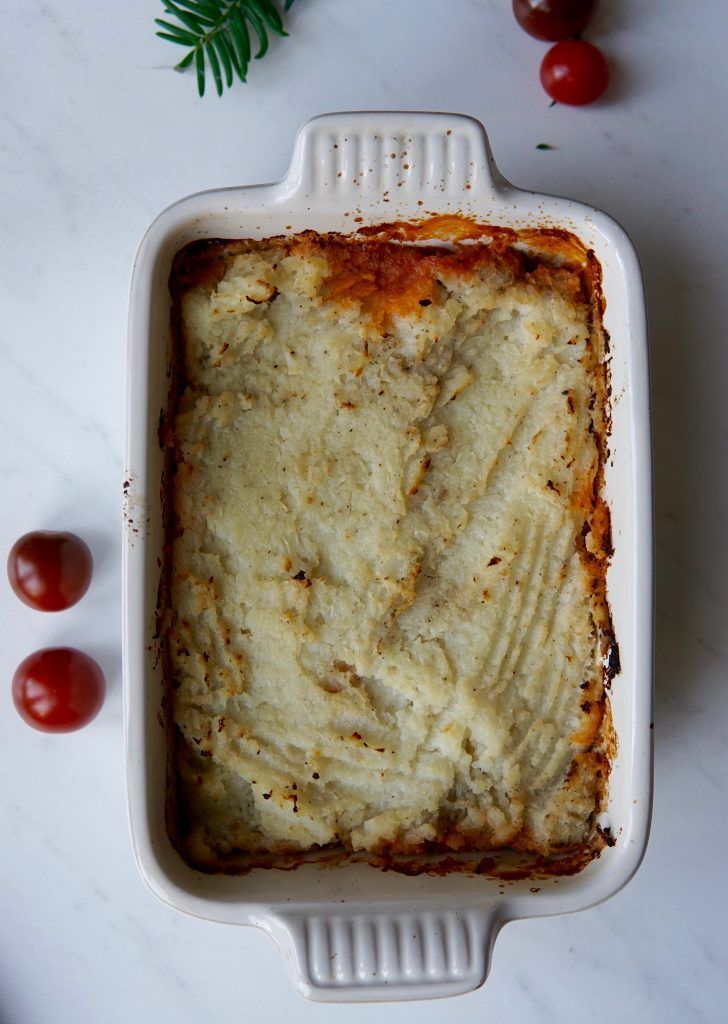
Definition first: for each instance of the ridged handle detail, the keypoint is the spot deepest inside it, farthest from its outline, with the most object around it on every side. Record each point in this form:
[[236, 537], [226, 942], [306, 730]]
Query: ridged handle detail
[[386, 956], [395, 157]]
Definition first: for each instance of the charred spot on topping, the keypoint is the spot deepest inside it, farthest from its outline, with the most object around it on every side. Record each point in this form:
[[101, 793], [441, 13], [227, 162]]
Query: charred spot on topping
[[348, 405], [614, 666], [267, 796], [205, 753], [221, 723], [583, 686], [315, 775], [552, 486], [494, 560], [356, 736], [272, 294], [300, 577], [606, 834], [425, 302]]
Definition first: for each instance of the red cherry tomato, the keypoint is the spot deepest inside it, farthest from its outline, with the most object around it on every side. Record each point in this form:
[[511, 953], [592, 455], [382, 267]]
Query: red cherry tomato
[[50, 571], [574, 72], [554, 19], [58, 689]]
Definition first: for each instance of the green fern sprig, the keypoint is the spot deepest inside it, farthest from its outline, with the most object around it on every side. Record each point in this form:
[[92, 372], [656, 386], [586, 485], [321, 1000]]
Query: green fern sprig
[[218, 33]]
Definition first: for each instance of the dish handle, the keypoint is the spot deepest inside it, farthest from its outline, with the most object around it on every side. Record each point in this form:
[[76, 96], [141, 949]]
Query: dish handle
[[374, 956], [406, 159]]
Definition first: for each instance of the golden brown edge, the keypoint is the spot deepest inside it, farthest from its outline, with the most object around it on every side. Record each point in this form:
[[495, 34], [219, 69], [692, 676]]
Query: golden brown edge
[[206, 261]]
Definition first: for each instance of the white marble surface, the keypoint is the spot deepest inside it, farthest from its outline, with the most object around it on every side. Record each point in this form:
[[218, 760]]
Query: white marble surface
[[96, 136]]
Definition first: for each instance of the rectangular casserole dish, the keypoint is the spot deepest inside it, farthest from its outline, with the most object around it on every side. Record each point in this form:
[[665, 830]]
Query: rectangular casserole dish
[[353, 932]]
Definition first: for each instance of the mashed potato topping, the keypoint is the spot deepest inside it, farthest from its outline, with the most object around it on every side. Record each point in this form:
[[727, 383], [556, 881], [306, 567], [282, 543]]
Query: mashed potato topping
[[387, 601]]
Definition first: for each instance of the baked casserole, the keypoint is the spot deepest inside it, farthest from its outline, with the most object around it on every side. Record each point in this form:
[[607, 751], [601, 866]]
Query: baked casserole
[[384, 600]]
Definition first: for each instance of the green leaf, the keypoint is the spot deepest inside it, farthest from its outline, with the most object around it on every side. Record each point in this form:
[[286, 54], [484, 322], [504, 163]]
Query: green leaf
[[218, 42], [185, 17], [269, 14], [215, 65], [185, 62], [242, 36], [200, 65], [202, 8], [262, 34], [225, 41], [240, 69], [288, 5], [181, 34], [173, 39], [218, 34]]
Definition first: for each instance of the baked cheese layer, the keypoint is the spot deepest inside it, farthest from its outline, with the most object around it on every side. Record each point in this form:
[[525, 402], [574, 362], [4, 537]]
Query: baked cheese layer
[[386, 584]]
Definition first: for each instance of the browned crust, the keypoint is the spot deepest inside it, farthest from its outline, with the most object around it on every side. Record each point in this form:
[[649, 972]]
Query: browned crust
[[386, 278], [501, 863]]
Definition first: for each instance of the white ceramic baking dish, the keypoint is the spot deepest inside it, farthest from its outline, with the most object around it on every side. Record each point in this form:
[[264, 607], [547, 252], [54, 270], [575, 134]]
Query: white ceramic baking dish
[[354, 932]]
